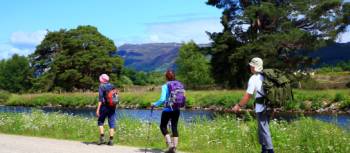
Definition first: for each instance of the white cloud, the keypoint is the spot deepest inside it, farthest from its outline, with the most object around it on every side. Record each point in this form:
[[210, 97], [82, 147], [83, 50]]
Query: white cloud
[[21, 43], [154, 38], [27, 38], [344, 37], [7, 50], [183, 31]]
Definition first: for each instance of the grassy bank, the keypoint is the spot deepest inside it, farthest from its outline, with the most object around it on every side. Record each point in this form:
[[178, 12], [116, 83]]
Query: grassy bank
[[304, 99], [223, 135]]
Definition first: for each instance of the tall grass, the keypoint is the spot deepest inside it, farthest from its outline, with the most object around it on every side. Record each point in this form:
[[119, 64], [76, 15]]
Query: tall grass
[[303, 99], [53, 99], [225, 134]]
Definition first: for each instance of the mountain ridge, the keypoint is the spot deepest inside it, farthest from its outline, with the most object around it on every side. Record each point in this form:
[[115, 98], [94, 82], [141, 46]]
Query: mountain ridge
[[161, 56]]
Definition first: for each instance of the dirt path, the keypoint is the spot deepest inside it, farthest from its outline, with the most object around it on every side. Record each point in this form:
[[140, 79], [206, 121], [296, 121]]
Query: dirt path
[[24, 144]]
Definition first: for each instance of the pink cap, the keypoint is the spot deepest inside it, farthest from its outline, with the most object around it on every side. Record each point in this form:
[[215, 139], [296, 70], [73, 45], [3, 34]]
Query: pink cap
[[104, 78]]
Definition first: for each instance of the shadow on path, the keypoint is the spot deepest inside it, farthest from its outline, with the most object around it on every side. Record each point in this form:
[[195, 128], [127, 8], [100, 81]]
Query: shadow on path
[[149, 150], [152, 150], [90, 143]]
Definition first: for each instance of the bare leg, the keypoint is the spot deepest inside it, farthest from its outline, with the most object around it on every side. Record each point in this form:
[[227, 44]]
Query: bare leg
[[111, 132], [101, 129]]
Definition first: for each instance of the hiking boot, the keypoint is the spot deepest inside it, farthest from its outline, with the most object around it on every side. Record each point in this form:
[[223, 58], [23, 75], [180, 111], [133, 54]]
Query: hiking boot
[[172, 150], [101, 141], [110, 143]]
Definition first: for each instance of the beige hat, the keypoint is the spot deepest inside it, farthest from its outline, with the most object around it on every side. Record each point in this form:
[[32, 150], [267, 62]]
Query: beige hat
[[257, 63]]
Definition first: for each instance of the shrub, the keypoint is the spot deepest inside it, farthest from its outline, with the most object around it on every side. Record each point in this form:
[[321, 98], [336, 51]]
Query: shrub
[[348, 85], [4, 96], [339, 97], [310, 83], [345, 104], [303, 99]]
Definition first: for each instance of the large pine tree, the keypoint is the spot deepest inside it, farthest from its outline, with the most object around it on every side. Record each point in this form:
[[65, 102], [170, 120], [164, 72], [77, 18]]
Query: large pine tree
[[279, 31], [73, 59]]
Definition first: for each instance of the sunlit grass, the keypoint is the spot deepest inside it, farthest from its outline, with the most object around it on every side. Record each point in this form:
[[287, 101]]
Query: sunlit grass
[[224, 134], [220, 99]]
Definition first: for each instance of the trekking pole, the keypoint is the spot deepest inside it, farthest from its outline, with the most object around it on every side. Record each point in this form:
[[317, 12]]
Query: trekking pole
[[148, 130]]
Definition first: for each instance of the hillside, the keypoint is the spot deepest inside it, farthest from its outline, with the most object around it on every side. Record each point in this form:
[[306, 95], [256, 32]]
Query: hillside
[[149, 57], [332, 54], [161, 56]]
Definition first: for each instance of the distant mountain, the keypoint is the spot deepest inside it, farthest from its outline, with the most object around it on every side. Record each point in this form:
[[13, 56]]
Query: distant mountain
[[149, 57], [332, 54], [161, 56]]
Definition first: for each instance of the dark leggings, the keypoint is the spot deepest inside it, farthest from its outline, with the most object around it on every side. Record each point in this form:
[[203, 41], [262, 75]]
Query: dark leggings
[[173, 116]]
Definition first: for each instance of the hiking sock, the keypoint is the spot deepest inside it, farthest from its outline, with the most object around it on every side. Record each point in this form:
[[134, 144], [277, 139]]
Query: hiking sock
[[172, 149], [168, 140], [175, 141]]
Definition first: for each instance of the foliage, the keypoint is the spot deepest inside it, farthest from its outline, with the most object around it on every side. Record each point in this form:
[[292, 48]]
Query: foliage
[[339, 67], [52, 99], [218, 100], [224, 134], [4, 96], [280, 32], [74, 59], [345, 104], [193, 68], [133, 77], [309, 83], [15, 74]]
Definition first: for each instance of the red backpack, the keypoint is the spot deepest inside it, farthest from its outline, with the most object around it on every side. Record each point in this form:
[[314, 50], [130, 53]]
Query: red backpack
[[110, 96], [112, 99]]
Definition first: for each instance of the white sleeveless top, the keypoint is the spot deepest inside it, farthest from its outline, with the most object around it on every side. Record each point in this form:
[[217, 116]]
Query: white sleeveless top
[[254, 85]]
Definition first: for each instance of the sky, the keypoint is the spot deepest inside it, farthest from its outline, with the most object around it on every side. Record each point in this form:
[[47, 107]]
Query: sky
[[24, 23]]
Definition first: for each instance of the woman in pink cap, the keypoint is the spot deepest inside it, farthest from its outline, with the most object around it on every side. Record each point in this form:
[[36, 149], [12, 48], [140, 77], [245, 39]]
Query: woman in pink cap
[[104, 110]]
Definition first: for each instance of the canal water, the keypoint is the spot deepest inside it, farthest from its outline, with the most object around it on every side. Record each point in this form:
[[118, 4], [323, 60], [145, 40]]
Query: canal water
[[342, 120]]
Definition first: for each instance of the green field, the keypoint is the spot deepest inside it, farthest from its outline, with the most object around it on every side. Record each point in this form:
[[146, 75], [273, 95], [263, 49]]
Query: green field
[[225, 134], [216, 99]]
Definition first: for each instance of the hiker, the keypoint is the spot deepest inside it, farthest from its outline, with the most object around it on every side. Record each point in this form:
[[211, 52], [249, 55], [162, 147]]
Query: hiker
[[105, 108], [262, 112], [171, 109]]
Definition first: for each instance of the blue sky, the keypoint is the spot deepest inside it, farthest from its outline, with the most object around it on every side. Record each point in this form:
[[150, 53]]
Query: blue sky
[[24, 22]]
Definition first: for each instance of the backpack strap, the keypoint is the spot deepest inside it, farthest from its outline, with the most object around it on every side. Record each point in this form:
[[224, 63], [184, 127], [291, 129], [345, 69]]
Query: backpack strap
[[262, 86], [104, 87], [167, 102], [169, 91], [104, 94], [262, 95]]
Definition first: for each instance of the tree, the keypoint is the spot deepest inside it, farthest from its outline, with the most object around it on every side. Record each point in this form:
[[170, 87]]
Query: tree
[[131, 76], [15, 74], [279, 31], [74, 59], [192, 66]]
